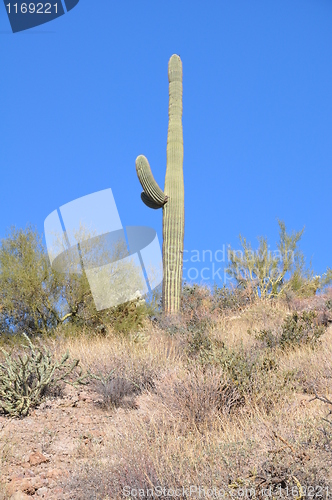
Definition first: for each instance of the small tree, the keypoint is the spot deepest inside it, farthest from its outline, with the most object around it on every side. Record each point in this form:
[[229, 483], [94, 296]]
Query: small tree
[[35, 297], [29, 289], [270, 274]]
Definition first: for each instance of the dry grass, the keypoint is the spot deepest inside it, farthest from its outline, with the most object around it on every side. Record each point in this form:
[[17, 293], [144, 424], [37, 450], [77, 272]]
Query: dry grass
[[195, 428], [214, 408], [233, 328], [155, 452], [198, 424]]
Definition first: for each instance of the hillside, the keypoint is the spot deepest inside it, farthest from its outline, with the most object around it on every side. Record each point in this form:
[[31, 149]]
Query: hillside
[[219, 399]]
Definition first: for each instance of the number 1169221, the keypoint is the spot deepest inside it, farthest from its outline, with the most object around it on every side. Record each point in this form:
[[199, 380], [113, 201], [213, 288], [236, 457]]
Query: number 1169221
[[32, 8]]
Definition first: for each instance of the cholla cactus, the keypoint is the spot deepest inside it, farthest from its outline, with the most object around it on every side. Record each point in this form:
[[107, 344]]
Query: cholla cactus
[[23, 380], [171, 200]]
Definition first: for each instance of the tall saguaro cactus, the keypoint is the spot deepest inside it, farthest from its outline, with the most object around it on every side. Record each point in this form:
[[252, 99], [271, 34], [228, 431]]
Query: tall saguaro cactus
[[171, 200]]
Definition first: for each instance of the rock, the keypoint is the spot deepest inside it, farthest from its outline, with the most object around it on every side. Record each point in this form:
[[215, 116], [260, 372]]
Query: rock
[[42, 491], [37, 458], [19, 495], [56, 473], [37, 482], [51, 483], [20, 485], [26, 485]]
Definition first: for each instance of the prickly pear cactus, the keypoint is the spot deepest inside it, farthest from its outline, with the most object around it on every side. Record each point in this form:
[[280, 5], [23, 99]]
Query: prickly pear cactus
[[171, 200]]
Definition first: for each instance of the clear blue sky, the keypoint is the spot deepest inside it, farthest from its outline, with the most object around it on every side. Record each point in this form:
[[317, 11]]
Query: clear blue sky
[[82, 96]]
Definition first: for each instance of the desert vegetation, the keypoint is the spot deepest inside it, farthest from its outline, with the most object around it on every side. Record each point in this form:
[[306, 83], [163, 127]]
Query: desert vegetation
[[230, 397]]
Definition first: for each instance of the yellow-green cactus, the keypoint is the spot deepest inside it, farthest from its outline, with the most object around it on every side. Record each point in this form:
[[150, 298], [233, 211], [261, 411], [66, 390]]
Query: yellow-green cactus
[[172, 198]]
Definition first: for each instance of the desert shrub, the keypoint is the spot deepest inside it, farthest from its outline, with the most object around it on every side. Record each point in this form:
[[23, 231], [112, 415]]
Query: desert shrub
[[267, 337], [35, 298], [202, 346], [302, 283], [24, 380], [232, 299], [248, 370], [89, 482], [201, 307], [205, 350], [196, 312], [328, 304], [120, 376], [135, 474], [172, 324], [199, 342], [256, 377], [198, 395], [114, 389], [124, 318], [197, 305], [299, 329], [128, 317], [239, 365]]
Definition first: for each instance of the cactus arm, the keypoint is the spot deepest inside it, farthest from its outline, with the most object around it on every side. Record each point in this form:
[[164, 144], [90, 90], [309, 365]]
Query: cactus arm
[[149, 185], [149, 202]]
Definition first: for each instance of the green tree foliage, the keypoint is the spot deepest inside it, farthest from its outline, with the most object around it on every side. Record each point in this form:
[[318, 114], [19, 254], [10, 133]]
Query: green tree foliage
[[35, 298], [29, 289], [271, 274]]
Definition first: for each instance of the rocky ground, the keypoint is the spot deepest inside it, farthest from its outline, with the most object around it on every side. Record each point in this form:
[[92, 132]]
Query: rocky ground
[[263, 423], [39, 451]]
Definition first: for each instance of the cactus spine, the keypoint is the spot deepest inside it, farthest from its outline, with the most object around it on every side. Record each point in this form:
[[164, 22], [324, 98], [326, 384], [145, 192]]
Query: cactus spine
[[171, 200]]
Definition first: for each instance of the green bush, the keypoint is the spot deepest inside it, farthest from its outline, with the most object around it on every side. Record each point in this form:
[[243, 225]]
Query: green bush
[[243, 368], [200, 343], [196, 302], [267, 337], [299, 329], [128, 317], [238, 365], [261, 271], [25, 379], [232, 299]]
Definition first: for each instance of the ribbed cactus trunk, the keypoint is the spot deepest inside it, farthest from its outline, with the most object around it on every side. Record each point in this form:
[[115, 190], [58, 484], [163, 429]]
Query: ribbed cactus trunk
[[172, 199], [173, 212]]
